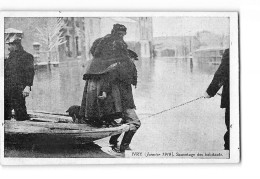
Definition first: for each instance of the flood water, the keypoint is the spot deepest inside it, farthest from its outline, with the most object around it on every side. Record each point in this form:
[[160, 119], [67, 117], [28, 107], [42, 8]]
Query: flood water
[[162, 83]]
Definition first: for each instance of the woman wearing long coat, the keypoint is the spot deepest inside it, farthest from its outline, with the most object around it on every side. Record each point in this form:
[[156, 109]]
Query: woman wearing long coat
[[109, 67]]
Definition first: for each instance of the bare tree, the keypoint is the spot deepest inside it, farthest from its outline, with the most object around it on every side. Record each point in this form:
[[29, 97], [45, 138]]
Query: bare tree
[[51, 34]]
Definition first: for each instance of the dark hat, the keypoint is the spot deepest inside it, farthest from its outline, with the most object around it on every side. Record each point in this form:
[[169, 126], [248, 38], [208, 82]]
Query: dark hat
[[119, 27]]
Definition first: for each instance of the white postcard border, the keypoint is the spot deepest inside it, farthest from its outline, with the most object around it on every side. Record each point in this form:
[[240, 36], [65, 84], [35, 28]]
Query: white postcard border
[[234, 88]]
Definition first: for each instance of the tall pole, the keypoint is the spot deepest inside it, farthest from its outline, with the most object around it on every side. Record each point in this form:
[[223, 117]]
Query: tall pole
[[190, 44]]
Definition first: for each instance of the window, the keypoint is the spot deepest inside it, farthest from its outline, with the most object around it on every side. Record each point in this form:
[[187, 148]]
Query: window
[[78, 51], [77, 21], [67, 48]]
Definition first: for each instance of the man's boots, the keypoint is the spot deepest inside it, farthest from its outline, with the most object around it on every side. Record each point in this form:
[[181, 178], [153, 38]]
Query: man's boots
[[113, 140], [126, 140]]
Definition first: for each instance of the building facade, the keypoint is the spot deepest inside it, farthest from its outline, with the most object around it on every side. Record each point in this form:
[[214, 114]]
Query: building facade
[[185, 46], [38, 31], [75, 35]]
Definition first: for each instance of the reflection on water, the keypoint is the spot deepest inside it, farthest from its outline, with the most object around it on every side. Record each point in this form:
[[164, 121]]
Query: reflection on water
[[162, 83]]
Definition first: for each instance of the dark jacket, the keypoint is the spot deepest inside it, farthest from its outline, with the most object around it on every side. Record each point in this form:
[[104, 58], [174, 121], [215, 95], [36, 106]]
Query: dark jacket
[[107, 52], [18, 70], [221, 78], [111, 60], [120, 77]]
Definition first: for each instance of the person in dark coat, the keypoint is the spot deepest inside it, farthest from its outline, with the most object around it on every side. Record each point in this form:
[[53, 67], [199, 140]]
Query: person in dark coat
[[108, 83], [101, 97], [125, 77], [221, 78], [18, 79]]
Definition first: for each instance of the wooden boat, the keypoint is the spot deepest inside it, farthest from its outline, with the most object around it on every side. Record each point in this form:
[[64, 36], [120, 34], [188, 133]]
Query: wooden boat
[[49, 128]]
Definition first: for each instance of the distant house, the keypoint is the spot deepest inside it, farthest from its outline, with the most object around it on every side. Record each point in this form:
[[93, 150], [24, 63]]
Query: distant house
[[212, 55], [184, 46], [174, 46], [168, 53]]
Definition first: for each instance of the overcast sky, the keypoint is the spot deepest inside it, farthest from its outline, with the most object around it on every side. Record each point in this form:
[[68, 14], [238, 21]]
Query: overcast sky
[[177, 26]]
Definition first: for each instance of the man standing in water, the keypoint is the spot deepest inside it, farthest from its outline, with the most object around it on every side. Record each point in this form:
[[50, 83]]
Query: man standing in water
[[221, 78], [129, 114], [110, 52], [18, 77], [127, 77]]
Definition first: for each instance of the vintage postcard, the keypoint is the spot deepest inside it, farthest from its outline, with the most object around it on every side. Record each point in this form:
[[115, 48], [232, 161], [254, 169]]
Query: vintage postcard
[[119, 87]]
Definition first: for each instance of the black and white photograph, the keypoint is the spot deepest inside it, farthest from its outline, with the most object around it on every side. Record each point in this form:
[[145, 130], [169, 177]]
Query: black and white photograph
[[120, 87]]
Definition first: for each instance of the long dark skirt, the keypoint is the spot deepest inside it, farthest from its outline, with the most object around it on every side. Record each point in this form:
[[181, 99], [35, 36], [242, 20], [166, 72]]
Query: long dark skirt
[[94, 108]]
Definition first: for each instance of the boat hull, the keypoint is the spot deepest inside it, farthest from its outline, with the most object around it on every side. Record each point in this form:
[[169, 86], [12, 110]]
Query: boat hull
[[42, 132]]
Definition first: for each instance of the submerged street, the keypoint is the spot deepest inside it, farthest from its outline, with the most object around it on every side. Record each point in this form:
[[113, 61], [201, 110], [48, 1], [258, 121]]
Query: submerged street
[[162, 84]]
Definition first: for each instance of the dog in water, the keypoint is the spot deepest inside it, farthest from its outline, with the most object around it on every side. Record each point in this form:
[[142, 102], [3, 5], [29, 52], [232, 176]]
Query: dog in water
[[74, 113]]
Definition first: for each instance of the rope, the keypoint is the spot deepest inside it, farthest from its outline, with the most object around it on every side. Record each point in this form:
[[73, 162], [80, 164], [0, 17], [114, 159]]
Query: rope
[[174, 107]]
